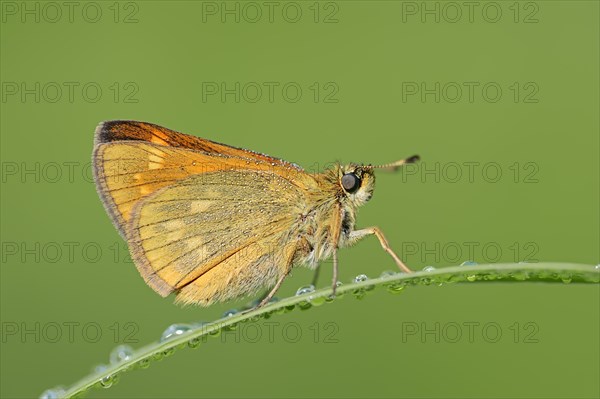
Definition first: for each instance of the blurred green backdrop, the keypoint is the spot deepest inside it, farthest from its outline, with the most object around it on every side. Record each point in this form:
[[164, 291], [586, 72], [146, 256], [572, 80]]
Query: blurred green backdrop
[[499, 98]]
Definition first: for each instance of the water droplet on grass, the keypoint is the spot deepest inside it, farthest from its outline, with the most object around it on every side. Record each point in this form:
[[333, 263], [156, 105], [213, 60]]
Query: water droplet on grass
[[396, 288], [566, 278], [469, 263], [307, 289], [360, 278], [120, 353], [107, 381], [194, 342], [101, 368], [54, 393], [429, 269], [174, 330]]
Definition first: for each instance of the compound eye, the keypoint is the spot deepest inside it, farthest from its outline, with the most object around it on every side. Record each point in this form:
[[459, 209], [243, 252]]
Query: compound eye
[[350, 182]]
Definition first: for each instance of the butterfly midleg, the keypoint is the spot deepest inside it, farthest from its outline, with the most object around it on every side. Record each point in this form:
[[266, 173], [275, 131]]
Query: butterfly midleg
[[273, 291], [316, 275], [289, 259], [359, 234], [335, 272]]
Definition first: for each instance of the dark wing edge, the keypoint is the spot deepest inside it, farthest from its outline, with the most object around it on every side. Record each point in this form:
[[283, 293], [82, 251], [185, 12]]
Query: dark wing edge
[[125, 130]]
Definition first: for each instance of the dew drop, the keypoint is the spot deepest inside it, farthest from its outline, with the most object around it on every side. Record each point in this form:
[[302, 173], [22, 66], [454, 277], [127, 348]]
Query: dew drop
[[54, 393], [230, 313], [194, 342], [168, 352], [428, 269], [520, 276], [230, 327], [120, 353], [469, 263], [106, 382], [396, 288], [174, 330], [101, 368], [597, 267], [566, 278], [360, 278], [289, 308], [318, 301], [387, 274], [307, 289]]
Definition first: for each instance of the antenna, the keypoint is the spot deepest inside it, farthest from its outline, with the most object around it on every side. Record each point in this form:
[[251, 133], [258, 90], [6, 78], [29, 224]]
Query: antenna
[[393, 166]]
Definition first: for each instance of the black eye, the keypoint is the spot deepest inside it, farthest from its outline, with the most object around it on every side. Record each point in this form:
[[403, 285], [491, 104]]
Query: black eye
[[350, 182]]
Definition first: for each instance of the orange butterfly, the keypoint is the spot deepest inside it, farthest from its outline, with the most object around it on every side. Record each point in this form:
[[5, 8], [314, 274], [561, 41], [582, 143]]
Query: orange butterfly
[[213, 222]]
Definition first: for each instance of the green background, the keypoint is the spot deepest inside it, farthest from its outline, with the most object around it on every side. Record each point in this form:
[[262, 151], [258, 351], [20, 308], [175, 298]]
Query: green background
[[166, 52]]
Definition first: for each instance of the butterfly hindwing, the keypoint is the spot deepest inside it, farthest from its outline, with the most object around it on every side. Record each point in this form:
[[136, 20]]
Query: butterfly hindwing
[[216, 236]]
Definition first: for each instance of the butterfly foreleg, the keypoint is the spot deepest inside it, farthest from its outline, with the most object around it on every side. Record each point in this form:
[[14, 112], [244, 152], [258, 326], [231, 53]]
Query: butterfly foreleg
[[356, 235]]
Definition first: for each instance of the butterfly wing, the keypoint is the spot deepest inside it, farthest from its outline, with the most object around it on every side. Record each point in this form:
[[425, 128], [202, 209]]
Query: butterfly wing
[[114, 131], [132, 160], [218, 235]]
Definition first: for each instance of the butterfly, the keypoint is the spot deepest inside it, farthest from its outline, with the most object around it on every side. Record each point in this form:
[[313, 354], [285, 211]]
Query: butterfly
[[211, 222]]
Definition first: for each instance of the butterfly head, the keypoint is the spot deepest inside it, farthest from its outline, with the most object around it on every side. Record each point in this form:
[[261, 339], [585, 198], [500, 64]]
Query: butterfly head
[[357, 182]]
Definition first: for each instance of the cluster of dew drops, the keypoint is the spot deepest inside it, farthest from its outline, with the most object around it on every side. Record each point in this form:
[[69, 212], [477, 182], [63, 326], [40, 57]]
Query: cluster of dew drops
[[123, 353]]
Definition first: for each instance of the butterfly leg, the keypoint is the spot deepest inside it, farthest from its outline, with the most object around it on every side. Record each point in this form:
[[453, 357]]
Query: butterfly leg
[[335, 272], [316, 275], [273, 291], [269, 296], [359, 234]]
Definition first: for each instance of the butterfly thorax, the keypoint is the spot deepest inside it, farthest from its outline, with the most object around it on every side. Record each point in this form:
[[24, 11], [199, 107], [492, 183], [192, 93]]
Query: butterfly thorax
[[332, 206]]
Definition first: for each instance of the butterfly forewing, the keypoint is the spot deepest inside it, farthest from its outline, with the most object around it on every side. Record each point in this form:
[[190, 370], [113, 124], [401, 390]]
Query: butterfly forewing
[[133, 160]]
